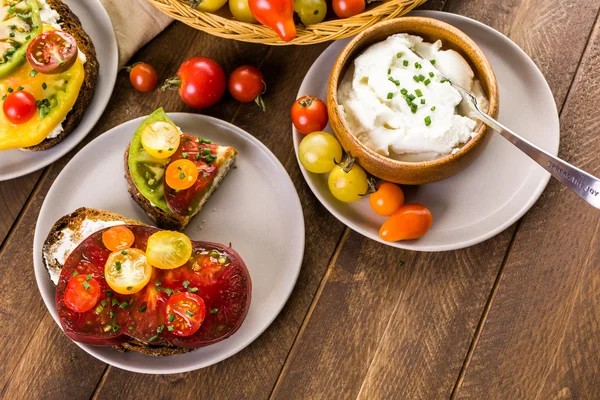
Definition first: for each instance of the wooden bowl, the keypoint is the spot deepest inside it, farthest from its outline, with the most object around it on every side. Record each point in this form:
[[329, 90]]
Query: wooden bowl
[[412, 173]]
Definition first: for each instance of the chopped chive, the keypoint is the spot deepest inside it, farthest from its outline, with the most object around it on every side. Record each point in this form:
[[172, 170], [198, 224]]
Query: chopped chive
[[405, 63], [413, 108], [184, 155], [153, 338], [416, 78], [419, 93], [206, 141], [44, 86], [432, 62], [421, 77], [399, 55], [171, 318], [142, 308], [431, 74], [418, 66], [170, 328], [192, 289], [111, 314], [433, 108], [214, 311], [88, 277], [129, 288], [131, 328], [205, 151], [186, 284], [86, 285], [168, 291], [109, 293], [157, 283], [427, 120], [444, 80], [389, 71], [404, 91], [10, 90], [395, 82], [182, 175], [4, 97], [99, 309], [118, 265], [204, 175], [189, 313], [124, 304], [103, 302], [198, 156], [422, 101], [427, 82], [116, 328], [75, 274], [411, 97], [114, 302], [160, 328], [390, 95], [124, 252], [20, 88], [12, 34]]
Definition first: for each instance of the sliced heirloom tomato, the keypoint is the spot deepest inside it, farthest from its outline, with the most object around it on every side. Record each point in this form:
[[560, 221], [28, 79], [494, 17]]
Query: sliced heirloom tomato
[[185, 313], [118, 238], [168, 249], [127, 271], [82, 293], [181, 174], [160, 139], [52, 52], [214, 273]]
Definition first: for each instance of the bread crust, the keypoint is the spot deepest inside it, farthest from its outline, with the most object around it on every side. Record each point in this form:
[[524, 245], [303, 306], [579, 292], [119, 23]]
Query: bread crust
[[71, 24], [72, 221]]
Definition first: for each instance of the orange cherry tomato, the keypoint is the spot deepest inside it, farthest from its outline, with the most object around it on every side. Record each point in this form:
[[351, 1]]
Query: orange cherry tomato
[[118, 238], [387, 199], [410, 221], [82, 293], [185, 313], [181, 174]]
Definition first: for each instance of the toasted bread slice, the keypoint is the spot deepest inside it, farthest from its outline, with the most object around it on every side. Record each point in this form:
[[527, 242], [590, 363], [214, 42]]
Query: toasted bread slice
[[171, 220], [71, 24], [65, 236]]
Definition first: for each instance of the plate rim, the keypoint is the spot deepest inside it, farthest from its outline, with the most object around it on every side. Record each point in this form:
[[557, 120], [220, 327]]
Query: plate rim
[[102, 19], [414, 246], [41, 274]]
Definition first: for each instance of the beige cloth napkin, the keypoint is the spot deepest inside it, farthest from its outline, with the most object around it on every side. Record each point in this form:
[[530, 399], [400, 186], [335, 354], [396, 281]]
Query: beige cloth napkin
[[136, 22]]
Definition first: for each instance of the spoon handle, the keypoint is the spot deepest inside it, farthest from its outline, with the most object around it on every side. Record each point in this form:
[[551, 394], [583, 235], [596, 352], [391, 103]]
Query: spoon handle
[[585, 185]]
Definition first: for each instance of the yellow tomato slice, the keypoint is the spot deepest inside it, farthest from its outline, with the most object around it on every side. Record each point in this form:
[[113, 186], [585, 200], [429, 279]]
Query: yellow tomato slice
[[127, 271], [168, 249], [160, 139]]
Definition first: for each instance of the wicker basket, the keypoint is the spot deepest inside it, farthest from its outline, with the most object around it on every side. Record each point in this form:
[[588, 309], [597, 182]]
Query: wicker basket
[[226, 27]]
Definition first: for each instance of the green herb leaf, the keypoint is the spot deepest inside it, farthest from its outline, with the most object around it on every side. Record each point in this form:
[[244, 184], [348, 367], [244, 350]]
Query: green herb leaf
[[214, 311], [427, 120]]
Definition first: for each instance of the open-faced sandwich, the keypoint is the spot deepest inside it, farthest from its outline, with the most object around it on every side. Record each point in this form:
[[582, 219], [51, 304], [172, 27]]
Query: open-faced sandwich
[[48, 72], [124, 284], [170, 174]]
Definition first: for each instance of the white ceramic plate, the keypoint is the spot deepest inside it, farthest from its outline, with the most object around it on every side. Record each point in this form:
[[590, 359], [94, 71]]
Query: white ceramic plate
[[499, 187], [256, 208], [95, 21]]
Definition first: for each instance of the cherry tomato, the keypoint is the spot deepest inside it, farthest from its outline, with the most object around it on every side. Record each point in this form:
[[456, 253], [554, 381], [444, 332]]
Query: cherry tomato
[[181, 174], [127, 271], [319, 152], [19, 107], [161, 139], [309, 114], [411, 221], [387, 199], [201, 82], [118, 238], [209, 5], [348, 186], [348, 8], [82, 293], [52, 52], [142, 76], [276, 14], [246, 84], [241, 11], [168, 249], [184, 313], [311, 11]]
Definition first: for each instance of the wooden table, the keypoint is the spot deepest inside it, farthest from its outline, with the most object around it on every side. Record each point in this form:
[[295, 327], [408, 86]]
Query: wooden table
[[515, 317]]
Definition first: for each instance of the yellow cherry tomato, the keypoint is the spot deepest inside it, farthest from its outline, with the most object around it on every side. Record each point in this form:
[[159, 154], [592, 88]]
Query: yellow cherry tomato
[[181, 174], [127, 271], [241, 11], [210, 5], [168, 249], [161, 139], [319, 152], [348, 186]]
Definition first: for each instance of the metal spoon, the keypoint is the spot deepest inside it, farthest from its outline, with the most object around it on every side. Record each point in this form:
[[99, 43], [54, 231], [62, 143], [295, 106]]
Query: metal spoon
[[584, 184]]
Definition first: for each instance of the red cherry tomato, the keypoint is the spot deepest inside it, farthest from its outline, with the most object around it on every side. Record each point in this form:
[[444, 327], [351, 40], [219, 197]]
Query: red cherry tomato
[[143, 77], [246, 84], [201, 82], [19, 107], [348, 8], [82, 293], [410, 221], [52, 52], [309, 114], [387, 199], [185, 313]]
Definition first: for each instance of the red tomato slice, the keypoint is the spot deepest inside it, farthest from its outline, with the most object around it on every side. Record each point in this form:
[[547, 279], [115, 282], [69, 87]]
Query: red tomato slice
[[52, 52], [185, 313], [82, 293]]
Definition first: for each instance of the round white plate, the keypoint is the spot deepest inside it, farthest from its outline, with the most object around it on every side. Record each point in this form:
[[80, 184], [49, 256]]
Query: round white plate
[[266, 230], [95, 21], [499, 187]]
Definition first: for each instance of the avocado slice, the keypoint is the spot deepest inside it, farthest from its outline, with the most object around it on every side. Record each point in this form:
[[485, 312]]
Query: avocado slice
[[19, 23], [147, 172]]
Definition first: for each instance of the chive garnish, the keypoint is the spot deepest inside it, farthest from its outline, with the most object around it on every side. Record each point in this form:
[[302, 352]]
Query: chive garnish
[[160, 328], [118, 265], [419, 93], [405, 63], [395, 82], [189, 313], [192, 290], [422, 101], [88, 277], [114, 301], [390, 95], [214, 311], [124, 304], [168, 291], [131, 328], [431, 74], [427, 82], [124, 252], [142, 308], [416, 78], [184, 155], [103, 302], [111, 314], [129, 287], [399, 55], [157, 283], [44, 86], [432, 62], [427, 120], [170, 328], [186, 284], [182, 175], [86, 285], [404, 91], [205, 151], [171, 318], [153, 338], [389, 71], [433, 108], [413, 108], [75, 274], [198, 156]]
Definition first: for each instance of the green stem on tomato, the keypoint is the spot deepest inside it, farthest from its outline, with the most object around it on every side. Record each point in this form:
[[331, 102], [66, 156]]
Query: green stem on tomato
[[173, 83]]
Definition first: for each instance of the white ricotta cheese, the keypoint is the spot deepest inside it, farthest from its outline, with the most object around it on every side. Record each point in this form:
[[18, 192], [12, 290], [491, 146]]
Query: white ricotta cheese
[[48, 15], [398, 104], [70, 239]]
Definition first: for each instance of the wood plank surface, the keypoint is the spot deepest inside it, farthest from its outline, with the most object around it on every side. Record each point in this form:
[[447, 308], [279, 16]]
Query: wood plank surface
[[407, 335], [540, 339], [13, 195]]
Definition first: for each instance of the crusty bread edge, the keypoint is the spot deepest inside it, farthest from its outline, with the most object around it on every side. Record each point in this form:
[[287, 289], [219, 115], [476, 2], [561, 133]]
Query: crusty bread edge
[[71, 24], [54, 236]]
